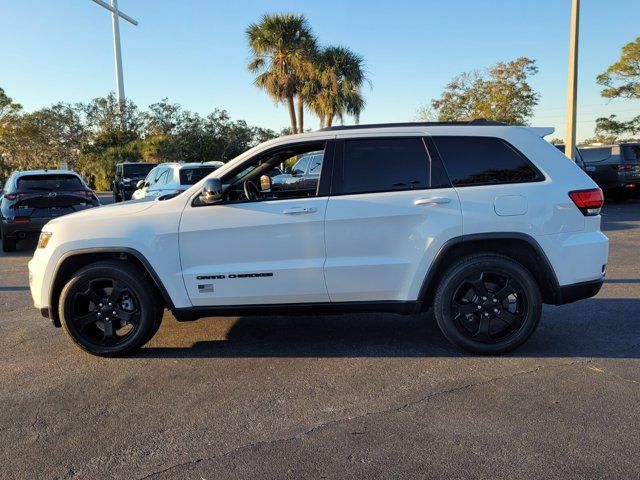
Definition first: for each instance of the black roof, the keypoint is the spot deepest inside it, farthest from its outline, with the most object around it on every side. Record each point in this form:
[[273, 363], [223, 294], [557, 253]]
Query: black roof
[[475, 122]]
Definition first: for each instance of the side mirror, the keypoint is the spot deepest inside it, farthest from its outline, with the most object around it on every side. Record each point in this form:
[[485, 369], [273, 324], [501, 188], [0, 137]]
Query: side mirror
[[211, 191], [288, 170], [140, 184], [265, 183]]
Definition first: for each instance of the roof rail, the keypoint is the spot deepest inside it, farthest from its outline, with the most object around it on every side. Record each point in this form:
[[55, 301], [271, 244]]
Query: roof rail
[[474, 122]]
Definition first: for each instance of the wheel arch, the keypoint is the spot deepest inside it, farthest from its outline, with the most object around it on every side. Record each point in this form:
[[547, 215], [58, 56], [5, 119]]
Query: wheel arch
[[519, 246], [74, 260]]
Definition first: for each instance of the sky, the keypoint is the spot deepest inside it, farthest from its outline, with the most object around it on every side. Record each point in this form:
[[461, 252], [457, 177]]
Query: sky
[[195, 52]]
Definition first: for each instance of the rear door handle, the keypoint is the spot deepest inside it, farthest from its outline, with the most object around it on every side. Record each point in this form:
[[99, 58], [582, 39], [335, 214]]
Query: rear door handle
[[432, 201], [298, 210]]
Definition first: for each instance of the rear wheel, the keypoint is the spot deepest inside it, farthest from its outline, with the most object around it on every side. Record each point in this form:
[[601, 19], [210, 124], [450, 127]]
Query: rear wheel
[[110, 308], [487, 304]]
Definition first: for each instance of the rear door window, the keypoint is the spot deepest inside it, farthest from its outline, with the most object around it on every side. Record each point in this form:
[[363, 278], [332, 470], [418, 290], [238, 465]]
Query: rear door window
[[384, 165], [49, 182], [484, 161]]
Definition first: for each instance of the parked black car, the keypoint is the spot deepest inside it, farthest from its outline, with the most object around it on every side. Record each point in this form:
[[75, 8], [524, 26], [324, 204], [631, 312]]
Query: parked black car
[[615, 168], [304, 174], [128, 174], [32, 198]]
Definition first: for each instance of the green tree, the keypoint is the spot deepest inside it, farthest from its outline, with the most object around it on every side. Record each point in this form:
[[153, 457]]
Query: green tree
[[43, 139], [502, 93], [335, 87], [621, 80], [282, 46], [7, 105]]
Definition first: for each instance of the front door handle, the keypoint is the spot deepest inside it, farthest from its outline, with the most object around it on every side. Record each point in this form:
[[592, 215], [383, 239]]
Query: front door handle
[[298, 210], [432, 201]]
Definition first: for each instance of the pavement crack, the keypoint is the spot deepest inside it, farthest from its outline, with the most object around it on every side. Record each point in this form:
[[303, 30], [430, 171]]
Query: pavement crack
[[35, 429], [396, 409]]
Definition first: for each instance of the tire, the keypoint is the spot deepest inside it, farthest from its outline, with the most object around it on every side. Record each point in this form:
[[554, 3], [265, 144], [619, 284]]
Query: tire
[[9, 244], [473, 290], [87, 303]]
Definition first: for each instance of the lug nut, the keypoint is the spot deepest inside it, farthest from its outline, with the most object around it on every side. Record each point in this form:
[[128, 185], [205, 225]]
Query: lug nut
[[99, 314], [495, 301], [495, 310], [114, 312], [109, 303], [484, 298], [479, 307]]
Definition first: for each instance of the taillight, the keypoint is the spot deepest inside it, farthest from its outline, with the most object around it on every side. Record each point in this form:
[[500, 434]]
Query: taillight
[[588, 201], [15, 196]]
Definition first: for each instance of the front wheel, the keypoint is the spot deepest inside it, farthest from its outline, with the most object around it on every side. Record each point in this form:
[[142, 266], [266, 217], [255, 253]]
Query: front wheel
[[110, 308], [487, 304]]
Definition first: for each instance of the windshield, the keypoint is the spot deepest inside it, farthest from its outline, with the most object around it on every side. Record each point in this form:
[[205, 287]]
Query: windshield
[[137, 170], [49, 182], [191, 176]]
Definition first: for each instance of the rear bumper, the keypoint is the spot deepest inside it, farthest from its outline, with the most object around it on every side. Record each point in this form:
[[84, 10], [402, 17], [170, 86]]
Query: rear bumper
[[34, 227], [579, 291]]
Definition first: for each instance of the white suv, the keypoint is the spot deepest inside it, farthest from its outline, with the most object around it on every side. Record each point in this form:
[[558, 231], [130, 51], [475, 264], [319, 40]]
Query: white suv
[[482, 222], [172, 178]]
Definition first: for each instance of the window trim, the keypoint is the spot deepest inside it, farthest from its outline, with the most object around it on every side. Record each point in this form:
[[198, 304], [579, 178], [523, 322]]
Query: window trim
[[540, 177], [324, 182], [336, 186]]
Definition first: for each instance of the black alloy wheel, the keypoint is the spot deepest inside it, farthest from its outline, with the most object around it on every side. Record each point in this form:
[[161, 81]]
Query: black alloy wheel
[[110, 308], [488, 304]]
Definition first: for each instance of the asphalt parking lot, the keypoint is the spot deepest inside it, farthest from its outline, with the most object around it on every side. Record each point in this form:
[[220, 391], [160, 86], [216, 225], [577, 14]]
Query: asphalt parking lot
[[366, 396]]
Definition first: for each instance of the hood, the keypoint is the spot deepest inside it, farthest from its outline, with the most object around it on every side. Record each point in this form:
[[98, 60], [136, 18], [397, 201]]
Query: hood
[[105, 213]]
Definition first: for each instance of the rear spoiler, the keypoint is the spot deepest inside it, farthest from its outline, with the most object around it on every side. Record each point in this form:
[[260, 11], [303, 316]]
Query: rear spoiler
[[542, 131]]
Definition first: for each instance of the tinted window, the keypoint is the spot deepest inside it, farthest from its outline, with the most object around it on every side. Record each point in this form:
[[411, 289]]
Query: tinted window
[[483, 161], [137, 170], [190, 176], [49, 182], [384, 165]]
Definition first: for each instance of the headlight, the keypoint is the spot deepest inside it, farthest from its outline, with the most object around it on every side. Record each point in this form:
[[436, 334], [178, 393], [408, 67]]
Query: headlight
[[44, 239]]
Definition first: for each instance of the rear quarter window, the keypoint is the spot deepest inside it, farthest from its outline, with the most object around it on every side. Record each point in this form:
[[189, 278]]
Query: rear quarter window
[[191, 176], [484, 161], [631, 153]]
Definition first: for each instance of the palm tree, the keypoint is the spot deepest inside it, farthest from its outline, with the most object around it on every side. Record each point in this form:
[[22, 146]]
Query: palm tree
[[335, 88], [282, 46]]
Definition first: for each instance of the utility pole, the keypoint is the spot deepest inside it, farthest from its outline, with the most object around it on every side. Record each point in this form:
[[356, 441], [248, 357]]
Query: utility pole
[[115, 17], [572, 90]]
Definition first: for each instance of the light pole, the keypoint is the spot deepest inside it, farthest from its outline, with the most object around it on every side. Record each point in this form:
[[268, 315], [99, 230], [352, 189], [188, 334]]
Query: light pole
[[572, 90], [115, 16]]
